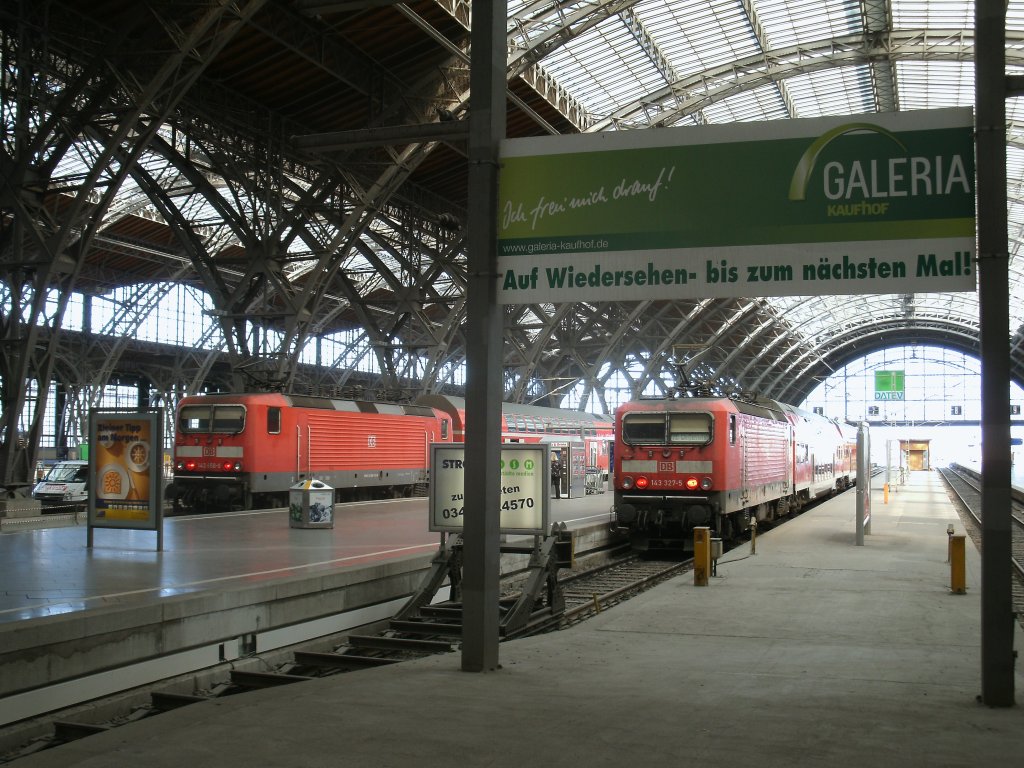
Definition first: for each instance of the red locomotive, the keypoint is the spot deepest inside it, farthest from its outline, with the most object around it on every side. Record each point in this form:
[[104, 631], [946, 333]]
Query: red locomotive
[[247, 450], [717, 461]]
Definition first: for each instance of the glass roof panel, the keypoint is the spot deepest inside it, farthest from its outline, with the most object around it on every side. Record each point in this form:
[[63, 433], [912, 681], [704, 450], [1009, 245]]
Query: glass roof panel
[[765, 103], [935, 84], [604, 68], [932, 14], [789, 22], [696, 35], [840, 91]]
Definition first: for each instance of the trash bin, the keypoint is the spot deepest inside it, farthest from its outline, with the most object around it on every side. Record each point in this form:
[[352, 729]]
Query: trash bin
[[311, 505]]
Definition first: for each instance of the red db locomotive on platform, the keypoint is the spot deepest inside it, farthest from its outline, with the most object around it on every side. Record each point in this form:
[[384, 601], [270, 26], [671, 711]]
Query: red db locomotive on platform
[[247, 450], [685, 462]]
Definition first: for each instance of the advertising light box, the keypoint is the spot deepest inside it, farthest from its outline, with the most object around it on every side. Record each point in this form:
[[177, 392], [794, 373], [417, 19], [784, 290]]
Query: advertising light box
[[854, 204], [525, 481]]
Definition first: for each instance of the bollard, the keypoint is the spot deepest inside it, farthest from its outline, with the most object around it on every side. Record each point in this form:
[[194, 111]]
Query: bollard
[[701, 556], [949, 543], [753, 535], [957, 564], [885, 493]]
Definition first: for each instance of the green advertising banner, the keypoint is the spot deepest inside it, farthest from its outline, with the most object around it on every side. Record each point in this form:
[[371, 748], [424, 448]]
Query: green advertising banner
[[889, 385], [879, 203]]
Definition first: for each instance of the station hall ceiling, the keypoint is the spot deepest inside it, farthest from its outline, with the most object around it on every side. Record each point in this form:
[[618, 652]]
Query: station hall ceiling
[[236, 146]]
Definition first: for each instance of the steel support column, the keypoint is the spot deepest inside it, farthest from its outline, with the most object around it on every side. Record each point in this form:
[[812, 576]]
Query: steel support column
[[993, 290], [484, 341]]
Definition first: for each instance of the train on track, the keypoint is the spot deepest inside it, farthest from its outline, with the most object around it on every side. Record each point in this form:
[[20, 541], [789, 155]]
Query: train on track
[[721, 462], [245, 451]]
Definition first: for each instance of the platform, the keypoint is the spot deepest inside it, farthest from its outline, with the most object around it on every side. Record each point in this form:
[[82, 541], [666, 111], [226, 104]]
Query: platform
[[49, 571], [811, 652]]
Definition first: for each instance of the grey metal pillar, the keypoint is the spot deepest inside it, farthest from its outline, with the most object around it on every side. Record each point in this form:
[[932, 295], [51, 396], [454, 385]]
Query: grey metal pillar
[[484, 387], [863, 515], [994, 293]]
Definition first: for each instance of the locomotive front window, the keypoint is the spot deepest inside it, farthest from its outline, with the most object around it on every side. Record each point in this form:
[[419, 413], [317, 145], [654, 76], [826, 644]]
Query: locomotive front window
[[641, 428], [689, 428], [229, 419]]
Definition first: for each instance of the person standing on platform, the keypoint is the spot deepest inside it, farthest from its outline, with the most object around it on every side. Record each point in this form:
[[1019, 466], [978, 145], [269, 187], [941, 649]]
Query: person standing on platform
[[556, 475]]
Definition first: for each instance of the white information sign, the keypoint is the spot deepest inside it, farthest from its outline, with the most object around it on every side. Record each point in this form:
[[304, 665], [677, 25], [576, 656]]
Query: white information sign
[[525, 486]]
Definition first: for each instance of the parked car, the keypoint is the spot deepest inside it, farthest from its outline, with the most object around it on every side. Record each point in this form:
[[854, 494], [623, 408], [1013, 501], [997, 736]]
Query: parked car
[[65, 485]]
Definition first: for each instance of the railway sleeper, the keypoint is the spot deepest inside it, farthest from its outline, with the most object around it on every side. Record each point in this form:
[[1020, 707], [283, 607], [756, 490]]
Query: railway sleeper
[[165, 701], [414, 627], [248, 679], [341, 661], [452, 612], [416, 644], [67, 730]]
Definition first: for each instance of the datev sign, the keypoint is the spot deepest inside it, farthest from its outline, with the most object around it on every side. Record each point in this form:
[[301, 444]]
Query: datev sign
[[878, 203], [524, 485]]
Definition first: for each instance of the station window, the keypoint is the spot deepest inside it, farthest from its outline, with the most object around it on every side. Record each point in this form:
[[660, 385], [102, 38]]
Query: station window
[[273, 420]]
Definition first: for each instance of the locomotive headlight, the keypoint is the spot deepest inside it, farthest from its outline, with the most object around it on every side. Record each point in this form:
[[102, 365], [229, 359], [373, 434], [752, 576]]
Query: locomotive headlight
[[705, 484], [692, 483], [627, 483], [642, 482]]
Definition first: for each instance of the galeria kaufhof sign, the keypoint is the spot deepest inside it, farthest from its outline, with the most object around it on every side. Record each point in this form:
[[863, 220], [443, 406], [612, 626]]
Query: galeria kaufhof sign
[[878, 203]]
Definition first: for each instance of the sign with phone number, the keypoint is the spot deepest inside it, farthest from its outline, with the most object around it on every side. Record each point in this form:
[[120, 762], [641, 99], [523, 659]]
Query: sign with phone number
[[524, 484]]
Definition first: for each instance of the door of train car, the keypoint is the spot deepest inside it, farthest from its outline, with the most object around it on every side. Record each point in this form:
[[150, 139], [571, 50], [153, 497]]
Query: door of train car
[[571, 456]]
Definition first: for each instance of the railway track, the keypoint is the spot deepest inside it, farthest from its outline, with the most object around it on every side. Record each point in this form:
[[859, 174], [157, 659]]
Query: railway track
[[965, 485]]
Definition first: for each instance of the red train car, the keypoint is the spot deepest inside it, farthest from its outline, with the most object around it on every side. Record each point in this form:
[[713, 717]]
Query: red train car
[[247, 450], [534, 424], [718, 462]]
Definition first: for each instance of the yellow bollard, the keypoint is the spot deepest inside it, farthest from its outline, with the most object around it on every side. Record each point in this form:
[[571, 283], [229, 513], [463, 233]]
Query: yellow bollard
[[957, 564], [701, 556], [885, 493]]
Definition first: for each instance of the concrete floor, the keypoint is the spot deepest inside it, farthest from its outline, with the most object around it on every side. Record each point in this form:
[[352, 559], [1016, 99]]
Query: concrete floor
[[811, 652]]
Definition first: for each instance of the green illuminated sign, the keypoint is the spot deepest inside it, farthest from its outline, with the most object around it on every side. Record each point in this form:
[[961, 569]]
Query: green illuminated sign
[[889, 385]]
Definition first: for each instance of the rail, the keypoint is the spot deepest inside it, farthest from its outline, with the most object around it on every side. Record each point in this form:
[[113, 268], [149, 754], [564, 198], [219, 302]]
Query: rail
[[964, 483]]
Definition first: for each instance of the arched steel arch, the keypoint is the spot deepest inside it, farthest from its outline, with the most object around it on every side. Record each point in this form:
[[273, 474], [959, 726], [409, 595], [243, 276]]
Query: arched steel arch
[[852, 347], [667, 105]]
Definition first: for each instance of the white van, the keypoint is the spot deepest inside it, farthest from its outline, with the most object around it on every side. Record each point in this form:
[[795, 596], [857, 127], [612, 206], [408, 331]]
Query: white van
[[65, 485]]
